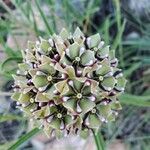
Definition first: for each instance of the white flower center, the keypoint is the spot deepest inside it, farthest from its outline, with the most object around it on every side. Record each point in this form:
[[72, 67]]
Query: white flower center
[[49, 78], [79, 95], [31, 100], [101, 78], [77, 59], [59, 115], [93, 110]]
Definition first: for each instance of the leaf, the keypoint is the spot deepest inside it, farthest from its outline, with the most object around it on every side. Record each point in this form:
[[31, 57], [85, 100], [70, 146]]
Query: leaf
[[24, 139], [9, 60], [44, 18], [143, 101], [9, 117], [133, 67], [118, 37]]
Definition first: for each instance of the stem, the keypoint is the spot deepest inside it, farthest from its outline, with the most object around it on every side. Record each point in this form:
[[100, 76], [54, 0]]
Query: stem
[[99, 141], [5, 93]]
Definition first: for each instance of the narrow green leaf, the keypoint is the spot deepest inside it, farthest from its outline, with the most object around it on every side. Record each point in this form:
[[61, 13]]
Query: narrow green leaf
[[135, 100], [44, 18], [9, 117], [118, 37], [133, 67], [17, 59], [24, 139]]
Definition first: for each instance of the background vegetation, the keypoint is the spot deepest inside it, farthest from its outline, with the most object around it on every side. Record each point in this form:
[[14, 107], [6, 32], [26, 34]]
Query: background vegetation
[[125, 25]]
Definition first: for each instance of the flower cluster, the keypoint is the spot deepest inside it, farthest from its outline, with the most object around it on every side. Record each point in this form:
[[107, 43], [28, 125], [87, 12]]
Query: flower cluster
[[69, 83]]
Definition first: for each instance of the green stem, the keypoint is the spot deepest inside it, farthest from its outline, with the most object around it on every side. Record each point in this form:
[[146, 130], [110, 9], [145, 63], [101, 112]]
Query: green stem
[[99, 141]]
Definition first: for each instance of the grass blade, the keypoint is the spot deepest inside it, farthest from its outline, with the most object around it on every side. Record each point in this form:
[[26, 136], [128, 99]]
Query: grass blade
[[24, 139], [135, 100], [44, 18]]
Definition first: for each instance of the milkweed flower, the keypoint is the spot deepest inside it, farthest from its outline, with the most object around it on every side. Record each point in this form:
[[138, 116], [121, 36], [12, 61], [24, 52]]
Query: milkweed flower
[[69, 83]]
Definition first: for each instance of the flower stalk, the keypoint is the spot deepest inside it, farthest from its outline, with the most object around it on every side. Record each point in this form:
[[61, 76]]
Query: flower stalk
[[99, 141]]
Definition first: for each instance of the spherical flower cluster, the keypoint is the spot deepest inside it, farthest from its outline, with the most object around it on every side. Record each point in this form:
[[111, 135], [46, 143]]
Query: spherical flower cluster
[[69, 83]]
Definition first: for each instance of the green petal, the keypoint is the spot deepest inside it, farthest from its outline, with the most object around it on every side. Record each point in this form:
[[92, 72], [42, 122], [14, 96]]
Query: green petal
[[47, 68], [21, 81], [64, 34], [93, 40], [45, 59], [74, 50], [58, 134], [64, 60], [62, 87], [109, 83], [77, 85], [78, 123], [86, 105], [86, 90], [43, 112], [104, 69], [28, 109], [59, 68], [23, 67], [89, 69], [50, 92], [60, 47], [41, 98], [31, 45], [94, 121], [16, 96], [78, 33], [44, 45], [104, 110], [70, 71], [47, 129], [55, 123], [39, 81], [111, 54], [121, 82], [103, 52], [87, 58], [84, 133], [24, 98], [68, 120], [111, 117], [70, 105], [94, 86], [30, 57], [116, 105], [32, 72]]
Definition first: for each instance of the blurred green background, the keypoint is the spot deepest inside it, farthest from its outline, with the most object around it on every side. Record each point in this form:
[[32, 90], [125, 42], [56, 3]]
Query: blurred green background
[[124, 24]]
